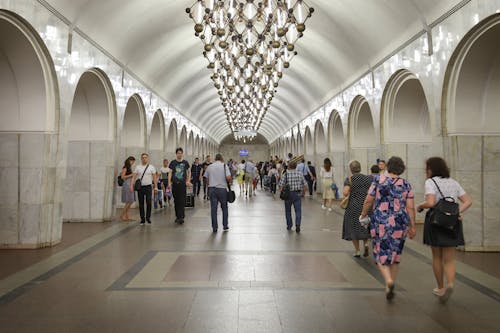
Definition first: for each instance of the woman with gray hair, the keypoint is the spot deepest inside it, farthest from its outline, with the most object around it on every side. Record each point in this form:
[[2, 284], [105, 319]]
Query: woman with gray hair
[[391, 198], [356, 188]]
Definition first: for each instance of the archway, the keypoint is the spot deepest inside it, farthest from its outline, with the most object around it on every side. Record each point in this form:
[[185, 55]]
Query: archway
[[337, 142], [190, 145], [133, 136], [29, 132], [308, 144], [197, 150], [183, 139], [300, 144], [90, 172], [172, 137], [157, 139], [470, 117], [320, 146], [361, 133], [405, 112]]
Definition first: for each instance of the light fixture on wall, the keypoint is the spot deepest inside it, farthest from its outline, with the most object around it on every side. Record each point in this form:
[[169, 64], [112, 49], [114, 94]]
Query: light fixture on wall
[[248, 45]]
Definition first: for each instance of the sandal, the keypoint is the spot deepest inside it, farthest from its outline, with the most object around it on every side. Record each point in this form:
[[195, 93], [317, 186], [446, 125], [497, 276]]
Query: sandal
[[389, 292], [446, 295], [357, 254]]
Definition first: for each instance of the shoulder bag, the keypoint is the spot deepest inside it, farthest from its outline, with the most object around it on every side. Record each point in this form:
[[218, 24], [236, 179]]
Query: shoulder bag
[[231, 196], [120, 180], [285, 192], [445, 213], [138, 182]]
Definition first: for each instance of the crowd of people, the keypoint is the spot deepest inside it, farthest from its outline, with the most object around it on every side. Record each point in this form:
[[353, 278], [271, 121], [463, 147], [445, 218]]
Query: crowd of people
[[379, 208]]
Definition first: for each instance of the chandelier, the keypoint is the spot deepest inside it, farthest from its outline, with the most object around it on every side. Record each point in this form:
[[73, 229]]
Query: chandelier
[[248, 44], [244, 134]]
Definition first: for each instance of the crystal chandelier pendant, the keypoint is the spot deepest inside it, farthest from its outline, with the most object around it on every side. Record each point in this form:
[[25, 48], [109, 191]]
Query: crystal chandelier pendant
[[248, 44]]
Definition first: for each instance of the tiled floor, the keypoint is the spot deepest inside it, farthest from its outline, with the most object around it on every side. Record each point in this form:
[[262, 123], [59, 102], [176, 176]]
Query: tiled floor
[[258, 277]]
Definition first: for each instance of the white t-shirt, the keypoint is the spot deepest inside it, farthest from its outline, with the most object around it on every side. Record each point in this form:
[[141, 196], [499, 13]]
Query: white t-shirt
[[164, 171], [324, 174], [241, 166], [450, 188], [148, 175]]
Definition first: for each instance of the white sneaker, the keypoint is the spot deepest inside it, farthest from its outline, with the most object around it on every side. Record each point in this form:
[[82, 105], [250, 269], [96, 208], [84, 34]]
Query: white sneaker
[[323, 207], [329, 209]]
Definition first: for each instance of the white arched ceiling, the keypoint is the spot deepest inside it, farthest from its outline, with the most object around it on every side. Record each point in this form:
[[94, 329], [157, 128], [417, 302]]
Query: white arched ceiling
[[93, 111], [157, 136], [134, 123], [472, 89], [172, 137], [360, 125], [156, 40], [27, 78], [405, 112], [336, 134]]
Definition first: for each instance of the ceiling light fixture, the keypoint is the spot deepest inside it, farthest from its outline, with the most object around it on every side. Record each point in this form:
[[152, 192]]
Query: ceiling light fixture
[[248, 44]]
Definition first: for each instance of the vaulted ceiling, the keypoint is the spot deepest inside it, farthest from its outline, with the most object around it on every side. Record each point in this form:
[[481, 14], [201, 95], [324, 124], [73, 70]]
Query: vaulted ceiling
[[155, 39]]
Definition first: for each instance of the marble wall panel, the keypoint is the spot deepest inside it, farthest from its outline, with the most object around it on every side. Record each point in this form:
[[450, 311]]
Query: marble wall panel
[[77, 179], [30, 216], [97, 206], [8, 224], [32, 149], [473, 227], [471, 183], [98, 178], [491, 189], [78, 154], [491, 157], [101, 153], [468, 153], [9, 150], [9, 178], [31, 185], [76, 206], [492, 227]]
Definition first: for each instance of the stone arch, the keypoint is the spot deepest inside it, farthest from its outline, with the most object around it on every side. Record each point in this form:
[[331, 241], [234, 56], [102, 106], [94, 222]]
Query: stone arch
[[361, 130], [405, 111], [89, 183], [183, 139], [320, 145], [472, 82], [293, 145], [190, 144], [172, 137], [202, 147], [336, 135], [29, 132], [197, 146], [157, 133], [134, 124], [300, 144], [308, 142]]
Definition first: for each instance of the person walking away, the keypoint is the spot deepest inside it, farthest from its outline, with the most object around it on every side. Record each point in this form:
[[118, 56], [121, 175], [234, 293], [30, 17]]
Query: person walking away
[[375, 170], [326, 175], [393, 219], [167, 190], [196, 177], [178, 179], [442, 241], [128, 196], [241, 176], [303, 168], [296, 182], [273, 174], [312, 170], [356, 187], [218, 176], [204, 167], [149, 178], [249, 176]]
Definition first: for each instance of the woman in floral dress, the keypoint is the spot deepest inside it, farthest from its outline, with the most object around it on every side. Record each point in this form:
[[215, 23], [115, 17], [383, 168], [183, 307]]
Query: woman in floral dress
[[393, 219]]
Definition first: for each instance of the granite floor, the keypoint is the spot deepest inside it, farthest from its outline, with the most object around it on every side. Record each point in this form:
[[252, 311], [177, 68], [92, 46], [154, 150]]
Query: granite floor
[[258, 277]]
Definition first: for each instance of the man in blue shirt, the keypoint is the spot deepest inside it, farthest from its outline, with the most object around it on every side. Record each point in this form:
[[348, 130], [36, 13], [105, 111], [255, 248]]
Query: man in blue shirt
[[296, 182]]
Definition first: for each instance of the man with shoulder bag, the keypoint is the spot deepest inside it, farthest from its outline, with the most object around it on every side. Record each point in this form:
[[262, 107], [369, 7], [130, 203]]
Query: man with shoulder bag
[[294, 183], [144, 181], [219, 187]]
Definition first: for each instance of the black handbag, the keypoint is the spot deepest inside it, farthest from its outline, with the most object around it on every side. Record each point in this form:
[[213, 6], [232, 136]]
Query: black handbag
[[138, 182], [231, 196], [445, 213], [285, 192], [120, 180]]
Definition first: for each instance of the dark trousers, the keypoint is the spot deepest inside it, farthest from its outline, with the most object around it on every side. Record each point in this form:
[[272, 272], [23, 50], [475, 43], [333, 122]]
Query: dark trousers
[[309, 184], [196, 185], [295, 200], [179, 193], [205, 187], [218, 195], [145, 193]]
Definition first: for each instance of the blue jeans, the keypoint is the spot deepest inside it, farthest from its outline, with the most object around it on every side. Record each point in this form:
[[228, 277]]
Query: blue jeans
[[295, 200], [218, 195]]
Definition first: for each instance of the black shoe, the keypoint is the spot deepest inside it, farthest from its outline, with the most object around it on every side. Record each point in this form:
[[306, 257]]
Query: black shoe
[[214, 231], [149, 222], [226, 228], [177, 220], [297, 229], [181, 221], [142, 223], [288, 228]]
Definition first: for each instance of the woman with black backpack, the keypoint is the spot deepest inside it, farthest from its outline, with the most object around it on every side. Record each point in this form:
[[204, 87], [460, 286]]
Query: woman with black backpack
[[442, 240]]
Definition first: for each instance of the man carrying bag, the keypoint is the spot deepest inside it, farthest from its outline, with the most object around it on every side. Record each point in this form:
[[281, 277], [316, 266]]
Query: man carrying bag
[[219, 179]]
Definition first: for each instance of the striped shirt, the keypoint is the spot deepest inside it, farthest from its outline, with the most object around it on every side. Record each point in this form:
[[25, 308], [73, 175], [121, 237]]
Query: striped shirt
[[294, 179]]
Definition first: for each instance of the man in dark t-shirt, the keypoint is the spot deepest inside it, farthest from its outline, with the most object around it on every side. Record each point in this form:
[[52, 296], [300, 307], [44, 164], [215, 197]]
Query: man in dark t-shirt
[[204, 167], [196, 176], [178, 179]]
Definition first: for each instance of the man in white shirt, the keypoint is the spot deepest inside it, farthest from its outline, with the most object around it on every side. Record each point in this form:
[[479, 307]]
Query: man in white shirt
[[218, 176], [149, 180]]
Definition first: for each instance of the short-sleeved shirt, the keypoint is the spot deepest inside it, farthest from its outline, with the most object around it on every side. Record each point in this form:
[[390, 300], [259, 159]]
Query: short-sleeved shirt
[[249, 168], [148, 175], [204, 167], [164, 171], [294, 179], [216, 175], [179, 171], [450, 188], [196, 170]]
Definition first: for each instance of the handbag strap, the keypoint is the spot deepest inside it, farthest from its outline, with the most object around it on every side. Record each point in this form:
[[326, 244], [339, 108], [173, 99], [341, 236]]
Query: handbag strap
[[147, 166], [227, 181], [442, 195]]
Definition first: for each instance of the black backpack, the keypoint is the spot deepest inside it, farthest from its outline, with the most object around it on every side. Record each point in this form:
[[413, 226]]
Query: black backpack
[[445, 213]]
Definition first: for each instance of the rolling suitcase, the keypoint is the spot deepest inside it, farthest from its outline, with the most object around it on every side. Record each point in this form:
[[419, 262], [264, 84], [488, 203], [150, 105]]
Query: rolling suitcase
[[189, 197]]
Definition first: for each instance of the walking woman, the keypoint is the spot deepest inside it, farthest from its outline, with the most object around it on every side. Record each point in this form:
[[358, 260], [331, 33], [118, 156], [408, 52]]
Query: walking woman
[[326, 175], [128, 196], [393, 219], [442, 241], [356, 187]]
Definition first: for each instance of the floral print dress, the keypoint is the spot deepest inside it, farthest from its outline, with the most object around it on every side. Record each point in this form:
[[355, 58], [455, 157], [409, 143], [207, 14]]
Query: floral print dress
[[390, 221]]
